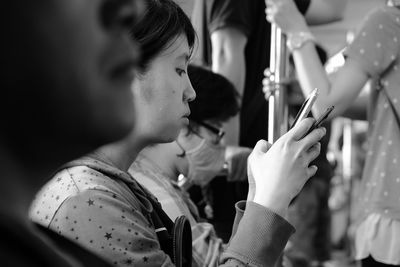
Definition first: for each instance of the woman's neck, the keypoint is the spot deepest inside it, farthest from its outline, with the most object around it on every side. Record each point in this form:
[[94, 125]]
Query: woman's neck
[[164, 157], [117, 155], [123, 153]]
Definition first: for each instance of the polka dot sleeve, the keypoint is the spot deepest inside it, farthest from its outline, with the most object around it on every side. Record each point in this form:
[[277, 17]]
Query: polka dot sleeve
[[376, 44], [106, 224]]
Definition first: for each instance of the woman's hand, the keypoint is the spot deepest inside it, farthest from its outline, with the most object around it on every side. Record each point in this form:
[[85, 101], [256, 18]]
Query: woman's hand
[[250, 177], [285, 15], [280, 172]]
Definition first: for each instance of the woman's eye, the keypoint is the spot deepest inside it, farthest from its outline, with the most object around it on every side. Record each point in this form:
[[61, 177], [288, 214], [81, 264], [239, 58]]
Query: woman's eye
[[180, 71]]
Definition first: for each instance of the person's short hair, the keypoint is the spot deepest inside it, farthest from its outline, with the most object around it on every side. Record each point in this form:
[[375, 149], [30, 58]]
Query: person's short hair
[[162, 23], [216, 97]]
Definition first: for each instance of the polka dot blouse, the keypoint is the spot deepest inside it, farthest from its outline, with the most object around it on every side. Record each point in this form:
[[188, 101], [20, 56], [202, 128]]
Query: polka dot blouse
[[377, 50]]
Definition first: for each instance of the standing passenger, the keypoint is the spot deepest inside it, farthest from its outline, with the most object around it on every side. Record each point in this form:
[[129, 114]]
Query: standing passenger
[[238, 47], [374, 54]]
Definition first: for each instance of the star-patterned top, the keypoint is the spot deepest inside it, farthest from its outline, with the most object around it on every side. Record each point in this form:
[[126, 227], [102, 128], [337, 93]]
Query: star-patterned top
[[105, 216], [101, 214], [377, 50]]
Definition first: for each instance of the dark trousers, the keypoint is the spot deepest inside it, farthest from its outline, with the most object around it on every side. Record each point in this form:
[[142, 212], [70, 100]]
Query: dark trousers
[[370, 262], [310, 215]]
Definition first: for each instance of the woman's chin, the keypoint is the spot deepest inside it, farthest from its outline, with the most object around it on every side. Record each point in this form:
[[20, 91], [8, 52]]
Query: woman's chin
[[168, 137]]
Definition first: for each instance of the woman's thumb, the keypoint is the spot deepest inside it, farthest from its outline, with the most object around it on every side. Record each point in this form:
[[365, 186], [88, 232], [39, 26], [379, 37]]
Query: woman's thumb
[[261, 147]]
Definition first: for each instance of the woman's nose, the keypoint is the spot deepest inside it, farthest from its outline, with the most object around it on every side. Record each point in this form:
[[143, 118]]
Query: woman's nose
[[189, 94]]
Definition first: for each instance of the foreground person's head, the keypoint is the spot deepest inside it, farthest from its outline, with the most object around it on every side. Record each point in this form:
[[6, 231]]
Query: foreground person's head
[[68, 70]]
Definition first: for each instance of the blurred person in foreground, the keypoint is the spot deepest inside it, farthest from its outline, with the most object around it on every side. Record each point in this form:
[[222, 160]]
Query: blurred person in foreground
[[63, 62]]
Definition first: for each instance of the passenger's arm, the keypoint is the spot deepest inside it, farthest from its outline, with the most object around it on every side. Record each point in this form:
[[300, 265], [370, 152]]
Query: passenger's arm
[[325, 11], [350, 79], [228, 59], [358, 109], [260, 237], [260, 232], [343, 90]]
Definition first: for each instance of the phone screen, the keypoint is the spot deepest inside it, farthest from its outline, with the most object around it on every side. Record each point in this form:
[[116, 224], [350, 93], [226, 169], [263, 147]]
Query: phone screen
[[320, 120], [306, 107]]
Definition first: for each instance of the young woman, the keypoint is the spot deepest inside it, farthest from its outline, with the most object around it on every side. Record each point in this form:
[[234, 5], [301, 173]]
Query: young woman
[[198, 154], [374, 54], [95, 202]]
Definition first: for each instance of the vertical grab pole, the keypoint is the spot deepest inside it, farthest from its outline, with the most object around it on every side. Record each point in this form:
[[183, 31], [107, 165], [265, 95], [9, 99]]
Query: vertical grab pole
[[277, 72], [275, 91], [347, 159]]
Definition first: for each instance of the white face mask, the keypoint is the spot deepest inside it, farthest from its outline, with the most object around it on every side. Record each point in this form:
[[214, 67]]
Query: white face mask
[[205, 162], [393, 3]]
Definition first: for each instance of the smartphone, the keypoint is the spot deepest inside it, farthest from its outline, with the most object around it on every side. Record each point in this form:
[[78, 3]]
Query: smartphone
[[320, 120], [305, 107]]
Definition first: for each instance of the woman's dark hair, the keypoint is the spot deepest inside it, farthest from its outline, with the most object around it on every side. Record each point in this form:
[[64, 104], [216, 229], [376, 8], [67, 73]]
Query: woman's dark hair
[[216, 97], [159, 26]]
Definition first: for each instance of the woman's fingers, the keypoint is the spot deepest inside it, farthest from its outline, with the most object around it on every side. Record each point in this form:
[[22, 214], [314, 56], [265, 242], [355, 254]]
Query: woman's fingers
[[300, 129], [273, 2], [261, 147], [311, 171], [270, 10], [268, 2], [312, 138], [313, 152]]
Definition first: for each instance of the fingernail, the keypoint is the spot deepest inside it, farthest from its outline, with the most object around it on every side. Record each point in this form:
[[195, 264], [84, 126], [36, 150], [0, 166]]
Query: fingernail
[[323, 132]]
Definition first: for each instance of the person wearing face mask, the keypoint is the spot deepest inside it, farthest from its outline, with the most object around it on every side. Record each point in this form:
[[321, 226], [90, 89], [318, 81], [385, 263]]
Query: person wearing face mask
[[197, 156], [205, 161], [210, 157]]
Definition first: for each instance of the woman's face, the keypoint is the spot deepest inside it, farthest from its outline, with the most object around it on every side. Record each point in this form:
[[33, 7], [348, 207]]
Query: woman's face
[[162, 94]]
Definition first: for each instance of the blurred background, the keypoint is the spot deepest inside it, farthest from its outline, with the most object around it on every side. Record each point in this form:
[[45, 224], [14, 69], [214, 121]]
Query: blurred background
[[333, 35], [347, 144]]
